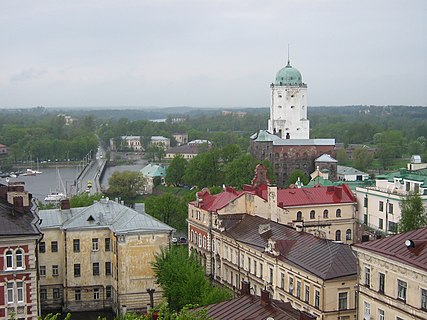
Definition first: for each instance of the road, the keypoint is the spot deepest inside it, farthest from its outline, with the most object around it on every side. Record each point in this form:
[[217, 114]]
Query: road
[[91, 174]]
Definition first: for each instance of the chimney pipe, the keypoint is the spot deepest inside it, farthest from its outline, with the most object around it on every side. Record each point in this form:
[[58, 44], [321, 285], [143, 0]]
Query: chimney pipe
[[246, 289], [265, 298]]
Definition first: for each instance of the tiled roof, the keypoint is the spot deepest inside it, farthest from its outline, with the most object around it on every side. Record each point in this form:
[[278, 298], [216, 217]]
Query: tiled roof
[[315, 195], [102, 214], [393, 247], [248, 307], [321, 257], [14, 223], [218, 201]]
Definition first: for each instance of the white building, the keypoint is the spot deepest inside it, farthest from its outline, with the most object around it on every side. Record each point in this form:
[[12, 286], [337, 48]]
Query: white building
[[351, 174], [379, 205], [288, 108]]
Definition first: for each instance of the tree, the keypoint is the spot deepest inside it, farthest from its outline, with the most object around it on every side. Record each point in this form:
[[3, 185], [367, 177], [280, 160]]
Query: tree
[[362, 158], [168, 209], [183, 279], [240, 171], [293, 177], [84, 199], [204, 170], [153, 152], [176, 170], [414, 215], [125, 184]]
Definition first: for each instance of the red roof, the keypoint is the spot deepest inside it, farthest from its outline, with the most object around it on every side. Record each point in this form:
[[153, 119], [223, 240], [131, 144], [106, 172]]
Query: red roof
[[315, 195], [394, 247], [215, 202]]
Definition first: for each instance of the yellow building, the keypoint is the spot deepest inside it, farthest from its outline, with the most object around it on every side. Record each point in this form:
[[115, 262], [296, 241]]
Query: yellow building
[[393, 277], [312, 274], [99, 257]]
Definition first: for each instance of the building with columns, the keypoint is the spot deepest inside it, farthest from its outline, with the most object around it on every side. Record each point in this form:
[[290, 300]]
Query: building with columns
[[286, 143]]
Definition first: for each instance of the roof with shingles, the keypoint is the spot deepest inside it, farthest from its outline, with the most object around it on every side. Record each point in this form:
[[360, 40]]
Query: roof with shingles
[[15, 223], [102, 214], [321, 257], [313, 196], [213, 202], [394, 248], [248, 307]]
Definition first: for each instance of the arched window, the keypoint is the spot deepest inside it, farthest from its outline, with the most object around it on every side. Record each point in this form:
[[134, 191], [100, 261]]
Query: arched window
[[19, 259], [9, 259], [338, 235], [338, 213], [312, 214], [299, 215], [325, 214], [348, 234]]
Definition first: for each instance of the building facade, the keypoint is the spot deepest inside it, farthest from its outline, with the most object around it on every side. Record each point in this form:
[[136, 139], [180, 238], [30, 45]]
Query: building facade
[[314, 275], [393, 277], [99, 257], [379, 205], [19, 235]]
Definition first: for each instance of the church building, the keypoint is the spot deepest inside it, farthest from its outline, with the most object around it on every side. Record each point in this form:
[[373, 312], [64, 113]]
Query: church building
[[286, 143]]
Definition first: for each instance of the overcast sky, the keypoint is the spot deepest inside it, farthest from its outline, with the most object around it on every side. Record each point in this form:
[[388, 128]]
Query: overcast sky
[[210, 53]]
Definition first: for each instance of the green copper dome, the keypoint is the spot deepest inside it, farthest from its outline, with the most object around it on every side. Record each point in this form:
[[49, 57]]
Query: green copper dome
[[288, 76]]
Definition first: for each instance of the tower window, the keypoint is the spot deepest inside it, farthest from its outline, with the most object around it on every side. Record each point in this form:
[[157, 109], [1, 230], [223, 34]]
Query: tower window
[[292, 96], [292, 107], [280, 107]]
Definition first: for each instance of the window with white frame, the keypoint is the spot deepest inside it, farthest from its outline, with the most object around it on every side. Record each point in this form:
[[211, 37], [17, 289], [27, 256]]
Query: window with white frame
[[261, 270], [367, 276], [307, 293], [325, 214], [10, 292], [298, 289], [249, 264], [282, 280], [338, 213], [380, 206], [19, 259], [43, 294], [242, 261], [78, 295], [255, 270], [96, 294], [381, 282], [348, 234], [55, 270], [56, 293], [42, 270], [342, 301], [366, 310], [424, 299], [291, 285], [95, 244], [381, 314], [20, 291], [9, 259], [317, 299], [401, 289]]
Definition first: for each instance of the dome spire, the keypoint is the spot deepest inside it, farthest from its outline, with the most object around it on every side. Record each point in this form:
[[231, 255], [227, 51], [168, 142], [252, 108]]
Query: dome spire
[[289, 60]]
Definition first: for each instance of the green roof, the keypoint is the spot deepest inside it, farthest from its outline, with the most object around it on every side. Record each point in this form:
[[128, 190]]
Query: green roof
[[288, 76]]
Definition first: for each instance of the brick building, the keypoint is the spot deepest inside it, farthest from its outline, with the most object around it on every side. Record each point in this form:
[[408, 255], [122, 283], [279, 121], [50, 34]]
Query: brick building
[[19, 235]]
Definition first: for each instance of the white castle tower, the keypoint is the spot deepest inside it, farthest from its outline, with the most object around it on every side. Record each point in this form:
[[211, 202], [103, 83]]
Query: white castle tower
[[288, 109]]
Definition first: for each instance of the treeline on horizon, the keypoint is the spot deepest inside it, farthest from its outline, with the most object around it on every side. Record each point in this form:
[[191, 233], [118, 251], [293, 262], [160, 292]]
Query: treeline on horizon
[[397, 131]]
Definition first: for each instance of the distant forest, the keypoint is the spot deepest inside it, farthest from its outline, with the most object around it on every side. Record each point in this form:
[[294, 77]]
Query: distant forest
[[396, 132]]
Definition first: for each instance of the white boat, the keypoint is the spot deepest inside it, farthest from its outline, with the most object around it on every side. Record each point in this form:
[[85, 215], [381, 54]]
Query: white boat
[[54, 197], [31, 172]]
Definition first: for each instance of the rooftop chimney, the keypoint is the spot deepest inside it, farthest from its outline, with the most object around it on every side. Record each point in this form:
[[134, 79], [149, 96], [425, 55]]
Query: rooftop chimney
[[265, 298], [246, 289], [65, 204]]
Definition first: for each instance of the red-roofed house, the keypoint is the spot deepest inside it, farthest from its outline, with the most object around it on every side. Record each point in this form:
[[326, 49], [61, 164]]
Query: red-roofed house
[[327, 212], [393, 277]]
